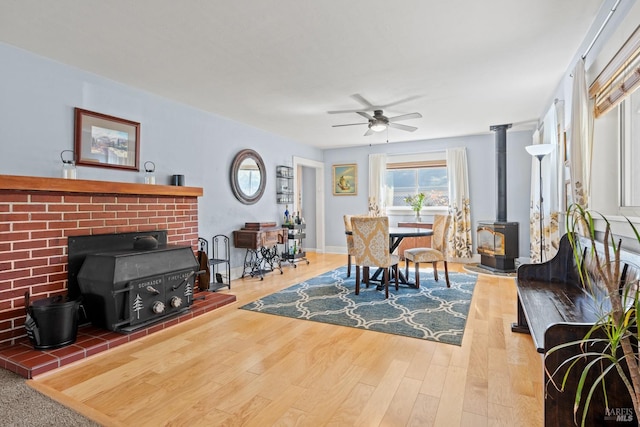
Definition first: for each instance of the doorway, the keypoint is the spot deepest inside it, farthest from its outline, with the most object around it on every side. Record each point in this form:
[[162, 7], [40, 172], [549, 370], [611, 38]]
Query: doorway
[[309, 197]]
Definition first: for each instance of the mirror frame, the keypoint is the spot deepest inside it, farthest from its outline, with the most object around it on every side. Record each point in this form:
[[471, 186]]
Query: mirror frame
[[235, 167]]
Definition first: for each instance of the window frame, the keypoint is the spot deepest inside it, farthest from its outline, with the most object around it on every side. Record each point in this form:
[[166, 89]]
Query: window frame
[[415, 160], [626, 161]]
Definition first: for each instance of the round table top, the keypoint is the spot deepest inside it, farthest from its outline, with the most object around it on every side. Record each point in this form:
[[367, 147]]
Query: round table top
[[409, 232], [406, 232]]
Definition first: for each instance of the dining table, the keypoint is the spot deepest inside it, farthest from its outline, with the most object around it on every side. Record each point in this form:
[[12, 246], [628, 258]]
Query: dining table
[[396, 235]]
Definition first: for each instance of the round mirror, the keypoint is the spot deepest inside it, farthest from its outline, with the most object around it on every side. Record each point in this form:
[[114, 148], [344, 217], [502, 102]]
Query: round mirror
[[248, 177]]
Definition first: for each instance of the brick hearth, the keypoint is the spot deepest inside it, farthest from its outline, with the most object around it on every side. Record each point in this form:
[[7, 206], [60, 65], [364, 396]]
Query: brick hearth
[[37, 215], [22, 359]]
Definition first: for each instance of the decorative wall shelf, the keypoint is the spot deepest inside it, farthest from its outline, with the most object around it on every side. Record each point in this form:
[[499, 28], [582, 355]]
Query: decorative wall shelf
[[33, 183]]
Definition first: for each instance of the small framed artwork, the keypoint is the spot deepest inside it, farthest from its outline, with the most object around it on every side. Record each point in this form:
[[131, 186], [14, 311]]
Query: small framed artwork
[[106, 141], [345, 180]]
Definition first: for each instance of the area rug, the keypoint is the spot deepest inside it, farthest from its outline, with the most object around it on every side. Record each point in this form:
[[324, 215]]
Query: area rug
[[433, 312]]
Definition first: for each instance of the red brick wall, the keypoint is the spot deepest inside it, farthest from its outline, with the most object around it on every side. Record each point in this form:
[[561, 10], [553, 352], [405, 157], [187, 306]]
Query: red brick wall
[[34, 227]]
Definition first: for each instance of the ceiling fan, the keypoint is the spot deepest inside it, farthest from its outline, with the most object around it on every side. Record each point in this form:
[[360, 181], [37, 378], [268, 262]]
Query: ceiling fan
[[378, 122]]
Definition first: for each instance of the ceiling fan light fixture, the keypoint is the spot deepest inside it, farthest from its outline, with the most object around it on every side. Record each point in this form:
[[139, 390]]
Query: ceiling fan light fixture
[[377, 126]]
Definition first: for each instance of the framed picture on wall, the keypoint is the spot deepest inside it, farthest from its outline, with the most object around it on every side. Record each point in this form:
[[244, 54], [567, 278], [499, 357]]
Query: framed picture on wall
[[106, 141], [345, 180]]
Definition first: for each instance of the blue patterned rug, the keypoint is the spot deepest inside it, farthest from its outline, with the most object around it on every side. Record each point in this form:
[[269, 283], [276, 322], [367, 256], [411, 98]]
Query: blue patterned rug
[[433, 312]]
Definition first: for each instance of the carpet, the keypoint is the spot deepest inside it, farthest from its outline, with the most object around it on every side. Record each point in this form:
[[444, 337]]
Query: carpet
[[433, 312], [20, 405]]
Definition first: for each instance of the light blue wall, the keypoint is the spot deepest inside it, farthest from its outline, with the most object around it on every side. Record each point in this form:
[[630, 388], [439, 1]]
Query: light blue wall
[[38, 96], [37, 100], [481, 159]]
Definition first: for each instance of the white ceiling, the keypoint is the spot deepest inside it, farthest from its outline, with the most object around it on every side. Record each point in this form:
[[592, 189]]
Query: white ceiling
[[280, 65]]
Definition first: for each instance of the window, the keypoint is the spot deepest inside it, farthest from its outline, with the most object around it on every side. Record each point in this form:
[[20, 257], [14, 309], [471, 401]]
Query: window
[[420, 173], [616, 85], [630, 150]]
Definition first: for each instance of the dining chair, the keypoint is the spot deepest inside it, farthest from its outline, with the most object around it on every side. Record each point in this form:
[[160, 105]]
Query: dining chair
[[371, 248], [347, 232], [434, 254]]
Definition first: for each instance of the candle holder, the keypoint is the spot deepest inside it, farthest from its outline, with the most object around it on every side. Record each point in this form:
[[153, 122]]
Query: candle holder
[[69, 170]]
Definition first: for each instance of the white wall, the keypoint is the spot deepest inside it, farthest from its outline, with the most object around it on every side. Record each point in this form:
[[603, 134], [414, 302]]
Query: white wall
[[605, 177], [481, 158], [37, 100]]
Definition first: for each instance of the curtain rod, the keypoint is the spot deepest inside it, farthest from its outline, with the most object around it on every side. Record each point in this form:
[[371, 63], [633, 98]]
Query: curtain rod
[[595, 38]]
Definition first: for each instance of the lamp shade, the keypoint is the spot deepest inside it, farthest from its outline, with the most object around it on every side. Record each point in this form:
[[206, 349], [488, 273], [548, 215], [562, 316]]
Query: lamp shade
[[540, 149]]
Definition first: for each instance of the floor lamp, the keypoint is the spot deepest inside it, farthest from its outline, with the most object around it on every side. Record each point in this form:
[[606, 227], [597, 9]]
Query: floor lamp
[[539, 151]]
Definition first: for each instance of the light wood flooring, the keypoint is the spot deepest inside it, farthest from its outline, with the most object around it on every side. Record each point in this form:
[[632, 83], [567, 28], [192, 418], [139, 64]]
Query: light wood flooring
[[235, 367]]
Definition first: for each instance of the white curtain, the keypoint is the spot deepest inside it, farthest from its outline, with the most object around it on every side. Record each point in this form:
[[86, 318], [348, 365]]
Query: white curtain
[[581, 134], [460, 243], [377, 184], [549, 235]]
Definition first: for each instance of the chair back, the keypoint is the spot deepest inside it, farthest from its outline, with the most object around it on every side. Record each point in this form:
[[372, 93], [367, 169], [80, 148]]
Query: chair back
[[347, 222], [440, 232], [371, 241], [347, 228]]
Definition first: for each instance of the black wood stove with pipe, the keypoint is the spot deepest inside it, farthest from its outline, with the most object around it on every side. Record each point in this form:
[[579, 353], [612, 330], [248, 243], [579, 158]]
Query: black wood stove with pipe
[[498, 240]]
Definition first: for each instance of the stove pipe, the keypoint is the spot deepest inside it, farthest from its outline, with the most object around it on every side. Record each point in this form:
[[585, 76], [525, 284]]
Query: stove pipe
[[501, 170]]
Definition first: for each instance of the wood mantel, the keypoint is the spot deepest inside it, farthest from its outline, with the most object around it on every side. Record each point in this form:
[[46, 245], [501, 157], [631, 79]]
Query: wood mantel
[[33, 183]]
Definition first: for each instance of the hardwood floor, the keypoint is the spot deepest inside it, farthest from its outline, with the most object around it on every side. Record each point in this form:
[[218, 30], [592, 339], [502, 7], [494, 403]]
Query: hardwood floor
[[236, 367]]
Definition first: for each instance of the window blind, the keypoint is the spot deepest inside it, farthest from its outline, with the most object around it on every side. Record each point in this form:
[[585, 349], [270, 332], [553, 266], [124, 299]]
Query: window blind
[[619, 78], [418, 164]]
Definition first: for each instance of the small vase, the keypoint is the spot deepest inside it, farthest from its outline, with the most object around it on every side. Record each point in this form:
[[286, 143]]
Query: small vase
[[418, 216]]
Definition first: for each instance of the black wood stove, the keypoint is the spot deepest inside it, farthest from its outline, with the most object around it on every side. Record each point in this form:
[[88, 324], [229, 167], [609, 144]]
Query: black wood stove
[[498, 240], [126, 286]]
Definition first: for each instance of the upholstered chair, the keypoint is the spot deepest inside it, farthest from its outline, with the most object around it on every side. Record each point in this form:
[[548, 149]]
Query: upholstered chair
[[434, 254], [347, 232], [371, 248]]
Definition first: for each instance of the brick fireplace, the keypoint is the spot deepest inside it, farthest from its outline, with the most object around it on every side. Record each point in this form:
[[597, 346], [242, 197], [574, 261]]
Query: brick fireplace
[[37, 215]]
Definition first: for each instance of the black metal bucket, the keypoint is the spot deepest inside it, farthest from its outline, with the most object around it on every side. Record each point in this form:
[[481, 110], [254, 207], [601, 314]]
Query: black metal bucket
[[51, 322]]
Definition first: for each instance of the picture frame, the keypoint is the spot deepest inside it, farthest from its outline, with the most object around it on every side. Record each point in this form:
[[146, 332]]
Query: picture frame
[[106, 141], [345, 180]]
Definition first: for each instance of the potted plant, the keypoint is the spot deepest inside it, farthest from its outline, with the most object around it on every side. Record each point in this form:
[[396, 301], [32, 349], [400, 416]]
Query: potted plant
[[610, 347], [416, 201]]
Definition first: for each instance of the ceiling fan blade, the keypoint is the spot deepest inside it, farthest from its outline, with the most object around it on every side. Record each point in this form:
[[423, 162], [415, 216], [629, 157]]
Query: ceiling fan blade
[[411, 98], [365, 115], [368, 132], [402, 127], [349, 124], [405, 117], [361, 100], [369, 106], [343, 111]]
